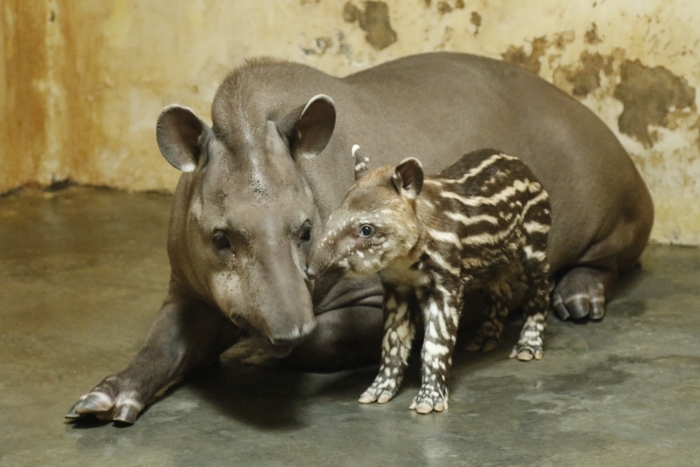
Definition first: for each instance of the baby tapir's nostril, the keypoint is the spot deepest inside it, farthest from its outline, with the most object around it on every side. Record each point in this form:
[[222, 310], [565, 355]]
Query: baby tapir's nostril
[[311, 273]]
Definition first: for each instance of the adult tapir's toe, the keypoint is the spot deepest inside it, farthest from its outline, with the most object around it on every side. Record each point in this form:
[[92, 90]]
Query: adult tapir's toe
[[581, 293], [96, 401], [108, 401]]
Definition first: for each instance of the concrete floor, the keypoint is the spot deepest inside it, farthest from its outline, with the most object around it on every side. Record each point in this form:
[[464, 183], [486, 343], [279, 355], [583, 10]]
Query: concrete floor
[[83, 271]]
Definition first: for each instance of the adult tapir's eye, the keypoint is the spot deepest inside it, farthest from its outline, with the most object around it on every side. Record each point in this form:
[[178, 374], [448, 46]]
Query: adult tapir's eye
[[220, 241], [366, 231], [305, 235]]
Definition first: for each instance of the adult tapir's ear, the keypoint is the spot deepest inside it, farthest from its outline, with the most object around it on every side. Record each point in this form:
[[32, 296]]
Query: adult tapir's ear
[[179, 134], [308, 128], [361, 162], [408, 177]]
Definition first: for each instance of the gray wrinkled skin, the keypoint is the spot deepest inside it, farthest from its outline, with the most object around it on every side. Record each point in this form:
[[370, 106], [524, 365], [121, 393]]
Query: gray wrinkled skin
[[277, 160]]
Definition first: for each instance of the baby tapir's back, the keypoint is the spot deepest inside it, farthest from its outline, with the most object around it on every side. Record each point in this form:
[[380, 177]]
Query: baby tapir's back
[[484, 214]]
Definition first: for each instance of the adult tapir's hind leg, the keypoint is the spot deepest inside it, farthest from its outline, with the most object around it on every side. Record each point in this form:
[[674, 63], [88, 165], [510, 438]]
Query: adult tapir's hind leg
[[583, 290], [185, 335]]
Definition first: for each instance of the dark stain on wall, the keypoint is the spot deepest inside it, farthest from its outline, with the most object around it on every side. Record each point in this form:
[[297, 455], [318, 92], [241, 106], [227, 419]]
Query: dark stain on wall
[[648, 95], [444, 7], [591, 35], [517, 55], [586, 78], [476, 21], [374, 21]]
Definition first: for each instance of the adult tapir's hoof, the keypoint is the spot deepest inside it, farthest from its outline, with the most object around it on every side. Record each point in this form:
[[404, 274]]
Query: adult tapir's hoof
[[581, 293], [111, 400]]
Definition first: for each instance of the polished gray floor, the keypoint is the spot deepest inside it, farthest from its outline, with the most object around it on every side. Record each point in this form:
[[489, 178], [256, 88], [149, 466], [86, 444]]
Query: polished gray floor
[[83, 271]]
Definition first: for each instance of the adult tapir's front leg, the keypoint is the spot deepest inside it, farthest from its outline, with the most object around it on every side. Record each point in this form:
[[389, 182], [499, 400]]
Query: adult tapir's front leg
[[185, 334]]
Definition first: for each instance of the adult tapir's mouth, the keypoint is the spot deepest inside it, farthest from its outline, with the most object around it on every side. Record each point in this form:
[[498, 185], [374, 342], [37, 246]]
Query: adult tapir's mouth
[[279, 347], [281, 351]]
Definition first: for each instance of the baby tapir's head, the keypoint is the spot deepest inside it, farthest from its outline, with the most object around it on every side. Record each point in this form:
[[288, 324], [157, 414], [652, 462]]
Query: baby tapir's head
[[375, 224]]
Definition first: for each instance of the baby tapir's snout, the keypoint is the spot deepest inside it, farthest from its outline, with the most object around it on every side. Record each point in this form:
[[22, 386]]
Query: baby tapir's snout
[[319, 260]]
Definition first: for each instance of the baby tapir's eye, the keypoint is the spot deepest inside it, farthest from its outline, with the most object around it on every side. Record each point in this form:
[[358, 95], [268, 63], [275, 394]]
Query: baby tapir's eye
[[305, 235], [220, 241], [366, 230]]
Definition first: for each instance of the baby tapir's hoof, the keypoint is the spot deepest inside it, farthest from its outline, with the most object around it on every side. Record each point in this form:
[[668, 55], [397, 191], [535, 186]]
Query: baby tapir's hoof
[[530, 344], [481, 343], [429, 400], [526, 352], [383, 389]]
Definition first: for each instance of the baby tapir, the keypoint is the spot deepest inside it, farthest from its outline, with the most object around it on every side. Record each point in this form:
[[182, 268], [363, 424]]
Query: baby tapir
[[482, 223]]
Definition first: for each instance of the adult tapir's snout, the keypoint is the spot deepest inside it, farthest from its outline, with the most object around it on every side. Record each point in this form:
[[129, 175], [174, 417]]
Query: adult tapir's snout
[[282, 300]]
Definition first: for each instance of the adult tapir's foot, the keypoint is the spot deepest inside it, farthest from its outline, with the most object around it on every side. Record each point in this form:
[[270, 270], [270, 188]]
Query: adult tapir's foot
[[115, 398], [185, 335], [582, 293]]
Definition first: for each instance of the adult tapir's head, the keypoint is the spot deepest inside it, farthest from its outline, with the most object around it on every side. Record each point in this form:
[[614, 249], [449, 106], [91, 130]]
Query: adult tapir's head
[[243, 216]]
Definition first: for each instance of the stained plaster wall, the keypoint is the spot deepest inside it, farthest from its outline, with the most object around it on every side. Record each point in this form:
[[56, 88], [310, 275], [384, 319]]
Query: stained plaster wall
[[82, 82]]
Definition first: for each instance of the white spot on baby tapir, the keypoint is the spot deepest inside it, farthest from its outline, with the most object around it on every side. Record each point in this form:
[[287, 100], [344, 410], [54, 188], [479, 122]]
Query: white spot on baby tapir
[[188, 167], [433, 348]]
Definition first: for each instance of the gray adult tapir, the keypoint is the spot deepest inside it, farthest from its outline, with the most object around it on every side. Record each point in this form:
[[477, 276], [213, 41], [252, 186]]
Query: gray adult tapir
[[257, 186]]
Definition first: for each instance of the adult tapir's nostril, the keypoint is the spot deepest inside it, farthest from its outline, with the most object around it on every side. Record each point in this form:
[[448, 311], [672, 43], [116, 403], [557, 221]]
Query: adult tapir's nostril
[[294, 338]]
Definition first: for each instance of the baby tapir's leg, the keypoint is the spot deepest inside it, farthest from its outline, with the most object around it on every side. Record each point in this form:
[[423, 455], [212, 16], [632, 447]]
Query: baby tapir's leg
[[498, 298], [535, 307], [399, 330], [441, 308]]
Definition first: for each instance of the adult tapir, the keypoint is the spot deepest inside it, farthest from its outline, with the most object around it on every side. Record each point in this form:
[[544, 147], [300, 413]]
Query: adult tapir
[[258, 185]]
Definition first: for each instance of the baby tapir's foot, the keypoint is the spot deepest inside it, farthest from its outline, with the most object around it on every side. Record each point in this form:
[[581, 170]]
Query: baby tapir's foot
[[487, 337], [431, 397], [384, 387], [530, 344], [109, 400]]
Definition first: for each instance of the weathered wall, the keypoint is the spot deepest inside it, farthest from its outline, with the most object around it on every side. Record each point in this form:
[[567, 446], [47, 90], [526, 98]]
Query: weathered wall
[[82, 82]]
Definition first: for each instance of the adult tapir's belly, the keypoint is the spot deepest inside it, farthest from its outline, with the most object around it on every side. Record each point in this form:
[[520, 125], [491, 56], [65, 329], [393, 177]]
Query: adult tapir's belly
[[438, 106]]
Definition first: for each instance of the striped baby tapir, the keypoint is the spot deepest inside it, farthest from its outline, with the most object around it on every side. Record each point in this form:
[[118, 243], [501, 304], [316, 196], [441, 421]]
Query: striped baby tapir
[[481, 224]]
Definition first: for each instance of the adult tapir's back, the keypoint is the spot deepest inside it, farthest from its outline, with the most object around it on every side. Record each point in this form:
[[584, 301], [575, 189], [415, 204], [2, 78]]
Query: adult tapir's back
[[260, 182]]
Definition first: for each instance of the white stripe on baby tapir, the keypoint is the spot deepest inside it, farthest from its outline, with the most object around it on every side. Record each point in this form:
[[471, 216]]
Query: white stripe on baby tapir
[[518, 186], [536, 200], [530, 253], [442, 263], [469, 221], [533, 227], [445, 237], [491, 239], [479, 168]]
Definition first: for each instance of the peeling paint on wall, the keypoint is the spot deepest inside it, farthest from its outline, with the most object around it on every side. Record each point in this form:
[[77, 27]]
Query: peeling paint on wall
[[531, 61], [374, 20], [82, 82], [649, 95]]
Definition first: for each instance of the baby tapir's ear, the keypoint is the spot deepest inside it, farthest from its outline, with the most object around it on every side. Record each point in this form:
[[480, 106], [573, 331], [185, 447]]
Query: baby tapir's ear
[[361, 162], [408, 177]]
